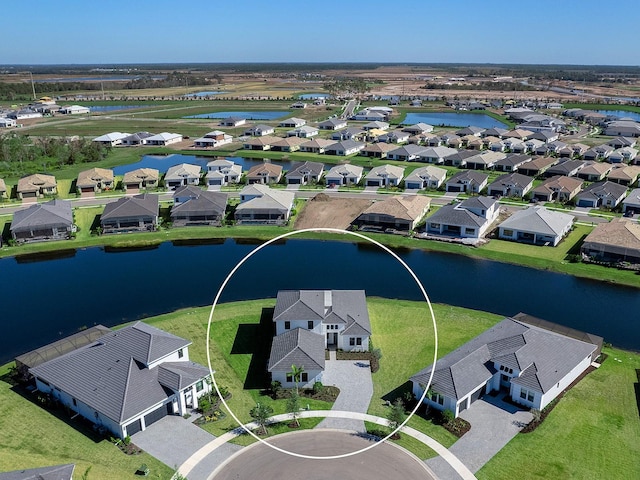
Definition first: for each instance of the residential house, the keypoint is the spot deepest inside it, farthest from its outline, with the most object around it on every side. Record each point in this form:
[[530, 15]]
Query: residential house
[[623, 155], [56, 472], [511, 185], [537, 166], [37, 185], [222, 172], [52, 220], [396, 213], [180, 175], [111, 139], [372, 114], [303, 173], [494, 132], [602, 194], [309, 321], [163, 139], [292, 122], [304, 131], [333, 124], [7, 122], [260, 130], [451, 140], [623, 128], [233, 122], [497, 145], [139, 179], [511, 162], [136, 139], [601, 152], [261, 205], [577, 150], [299, 105], [437, 155], [622, 142], [406, 153], [351, 133], [74, 110], [631, 204], [260, 143], [376, 125], [344, 174], [346, 147], [468, 181], [530, 146], [514, 145], [377, 150], [484, 160], [519, 134], [459, 159], [523, 355], [536, 225], [557, 147], [131, 214], [474, 131], [616, 241], [627, 175], [470, 218], [3, 189], [569, 168], [395, 136], [425, 177], [213, 139], [546, 136], [557, 189], [317, 145], [94, 180], [194, 206], [594, 171], [264, 173], [126, 380], [470, 139], [289, 144], [384, 176]]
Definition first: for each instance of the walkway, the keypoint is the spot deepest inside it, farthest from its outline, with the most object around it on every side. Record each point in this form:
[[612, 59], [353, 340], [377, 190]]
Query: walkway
[[192, 465], [172, 440], [493, 424], [353, 378]]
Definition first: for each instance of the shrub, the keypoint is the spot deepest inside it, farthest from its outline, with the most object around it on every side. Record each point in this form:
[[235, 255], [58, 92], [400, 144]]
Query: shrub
[[318, 387], [447, 416]]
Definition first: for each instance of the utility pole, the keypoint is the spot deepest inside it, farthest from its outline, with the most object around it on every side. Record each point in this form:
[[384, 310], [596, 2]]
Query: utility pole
[[33, 86]]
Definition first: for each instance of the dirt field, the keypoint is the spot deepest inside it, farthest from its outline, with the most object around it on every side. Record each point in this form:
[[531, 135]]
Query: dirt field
[[327, 212]]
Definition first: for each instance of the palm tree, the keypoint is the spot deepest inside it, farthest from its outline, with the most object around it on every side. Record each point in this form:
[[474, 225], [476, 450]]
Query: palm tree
[[296, 373]]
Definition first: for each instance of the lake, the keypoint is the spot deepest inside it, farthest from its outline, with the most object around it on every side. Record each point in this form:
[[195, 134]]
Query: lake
[[112, 108], [163, 162], [313, 96], [45, 300], [454, 119], [621, 114], [203, 94], [256, 115]]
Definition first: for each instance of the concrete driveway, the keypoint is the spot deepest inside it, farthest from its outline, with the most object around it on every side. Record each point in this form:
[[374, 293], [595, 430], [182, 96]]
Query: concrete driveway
[[493, 424], [172, 440], [353, 378]]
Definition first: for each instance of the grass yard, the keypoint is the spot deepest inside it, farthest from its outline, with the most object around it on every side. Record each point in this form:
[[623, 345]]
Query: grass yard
[[593, 432], [85, 219]]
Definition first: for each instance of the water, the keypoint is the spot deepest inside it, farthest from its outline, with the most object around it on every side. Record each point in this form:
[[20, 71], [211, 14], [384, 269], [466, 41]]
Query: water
[[454, 119], [113, 108], [204, 94], [313, 96], [254, 115], [621, 114], [163, 162], [93, 286]]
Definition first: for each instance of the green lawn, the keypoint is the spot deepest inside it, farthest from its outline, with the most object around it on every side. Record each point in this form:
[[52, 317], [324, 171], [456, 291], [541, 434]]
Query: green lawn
[[593, 432]]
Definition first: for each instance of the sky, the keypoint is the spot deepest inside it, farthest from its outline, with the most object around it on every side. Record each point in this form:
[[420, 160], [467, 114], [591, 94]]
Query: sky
[[581, 32]]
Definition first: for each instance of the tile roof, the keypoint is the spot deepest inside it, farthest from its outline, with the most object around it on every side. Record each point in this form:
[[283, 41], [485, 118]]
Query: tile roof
[[403, 207], [138, 205], [141, 174], [299, 347], [33, 183], [93, 176], [56, 472], [183, 170], [52, 213], [539, 220]]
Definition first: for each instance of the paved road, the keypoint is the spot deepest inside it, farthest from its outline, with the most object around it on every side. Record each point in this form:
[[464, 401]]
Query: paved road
[[384, 461], [348, 110]]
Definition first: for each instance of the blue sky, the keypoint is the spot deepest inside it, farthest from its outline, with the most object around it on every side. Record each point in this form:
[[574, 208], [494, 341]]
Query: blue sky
[[466, 31]]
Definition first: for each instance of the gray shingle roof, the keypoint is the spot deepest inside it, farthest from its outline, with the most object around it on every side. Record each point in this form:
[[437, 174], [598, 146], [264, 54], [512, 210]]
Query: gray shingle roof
[[138, 205], [455, 215], [180, 375], [203, 202], [299, 347], [543, 358], [538, 220], [49, 214], [57, 472], [300, 169], [111, 374]]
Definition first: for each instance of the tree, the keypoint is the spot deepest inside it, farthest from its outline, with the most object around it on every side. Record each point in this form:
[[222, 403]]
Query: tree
[[296, 373], [293, 407], [261, 414], [395, 416]]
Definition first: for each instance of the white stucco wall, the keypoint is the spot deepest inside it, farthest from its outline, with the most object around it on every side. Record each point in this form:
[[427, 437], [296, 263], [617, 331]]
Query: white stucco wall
[[317, 326], [314, 376]]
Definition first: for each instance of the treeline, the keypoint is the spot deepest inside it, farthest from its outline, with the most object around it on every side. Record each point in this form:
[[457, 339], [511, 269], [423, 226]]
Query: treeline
[[23, 91], [346, 86], [487, 86], [21, 155], [174, 79]]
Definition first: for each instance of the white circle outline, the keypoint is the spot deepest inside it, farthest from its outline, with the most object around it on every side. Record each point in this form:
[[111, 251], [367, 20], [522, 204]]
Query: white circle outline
[[328, 230]]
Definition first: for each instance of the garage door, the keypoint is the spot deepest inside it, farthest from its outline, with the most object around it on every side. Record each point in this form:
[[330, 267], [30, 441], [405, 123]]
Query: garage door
[[294, 181], [373, 183], [134, 427], [476, 395], [455, 188], [156, 415]]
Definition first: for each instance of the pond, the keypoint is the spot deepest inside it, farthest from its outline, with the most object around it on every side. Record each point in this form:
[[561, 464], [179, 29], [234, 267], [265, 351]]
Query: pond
[[92, 286], [621, 114], [203, 94], [163, 162], [251, 115], [112, 108], [313, 96], [454, 119]]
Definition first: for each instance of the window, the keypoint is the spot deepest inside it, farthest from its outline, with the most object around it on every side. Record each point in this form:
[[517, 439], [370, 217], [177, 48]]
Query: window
[[199, 386], [180, 353], [287, 325], [523, 393], [289, 378], [310, 325], [469, 231], [352, 341], [75, 404], [530, 396], [358, 341], [507, 233], [437, 398], [304, 378]]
